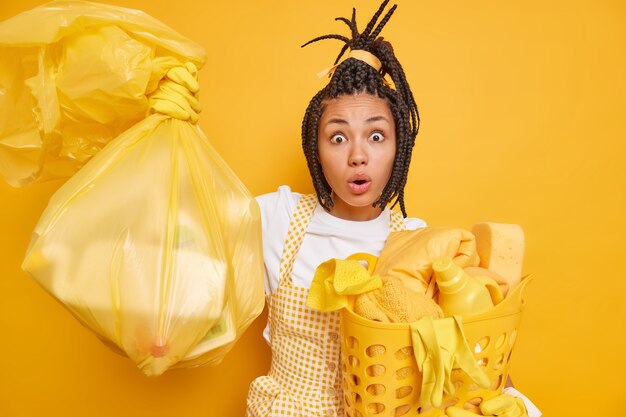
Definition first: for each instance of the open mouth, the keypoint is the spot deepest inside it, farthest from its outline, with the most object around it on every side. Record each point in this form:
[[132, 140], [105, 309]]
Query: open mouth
[[359, 185]]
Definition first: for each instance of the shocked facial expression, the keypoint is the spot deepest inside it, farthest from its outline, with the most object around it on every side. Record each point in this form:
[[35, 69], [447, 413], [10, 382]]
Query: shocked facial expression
[[357, 147]]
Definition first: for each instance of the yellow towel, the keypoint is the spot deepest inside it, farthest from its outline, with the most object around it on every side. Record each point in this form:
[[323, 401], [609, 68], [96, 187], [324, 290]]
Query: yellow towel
[[409, 255], [335, 279], [394, 303]]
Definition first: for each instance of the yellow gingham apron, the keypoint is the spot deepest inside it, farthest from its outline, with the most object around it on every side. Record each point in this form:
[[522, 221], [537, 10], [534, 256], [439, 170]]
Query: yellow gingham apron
[[304, 378]]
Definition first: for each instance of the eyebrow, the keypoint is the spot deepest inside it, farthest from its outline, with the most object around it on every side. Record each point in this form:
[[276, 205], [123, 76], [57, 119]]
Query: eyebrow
[[340, 121], [377, 119], [337, 121]]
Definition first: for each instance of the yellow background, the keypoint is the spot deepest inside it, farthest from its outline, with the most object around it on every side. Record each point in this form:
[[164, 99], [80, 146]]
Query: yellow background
[[523, 107]]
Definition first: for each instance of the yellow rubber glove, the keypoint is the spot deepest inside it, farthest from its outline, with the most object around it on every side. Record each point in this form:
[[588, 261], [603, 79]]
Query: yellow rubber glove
[[335, 279], [439, 346], [503, 405], [176, 95]]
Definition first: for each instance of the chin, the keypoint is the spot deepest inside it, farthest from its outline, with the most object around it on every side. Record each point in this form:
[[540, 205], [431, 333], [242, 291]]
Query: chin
[[360, 201]]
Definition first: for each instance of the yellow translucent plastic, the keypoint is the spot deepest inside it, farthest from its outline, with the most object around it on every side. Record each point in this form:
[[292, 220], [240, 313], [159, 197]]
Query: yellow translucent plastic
[[380, 373], [154, 244], [73, 76]]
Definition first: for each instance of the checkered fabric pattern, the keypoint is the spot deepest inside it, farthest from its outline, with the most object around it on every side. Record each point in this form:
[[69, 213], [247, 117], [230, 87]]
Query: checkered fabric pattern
[[305, 377]]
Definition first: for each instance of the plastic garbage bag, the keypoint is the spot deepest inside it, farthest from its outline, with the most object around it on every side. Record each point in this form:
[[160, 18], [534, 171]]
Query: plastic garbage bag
[[73, 76], [154, 244]]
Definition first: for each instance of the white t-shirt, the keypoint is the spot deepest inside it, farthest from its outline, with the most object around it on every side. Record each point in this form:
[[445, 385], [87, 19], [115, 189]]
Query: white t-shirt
[[327, 236]]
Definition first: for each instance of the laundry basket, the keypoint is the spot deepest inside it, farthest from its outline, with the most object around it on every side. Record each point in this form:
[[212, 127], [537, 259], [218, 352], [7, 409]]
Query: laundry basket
[[380, 374]]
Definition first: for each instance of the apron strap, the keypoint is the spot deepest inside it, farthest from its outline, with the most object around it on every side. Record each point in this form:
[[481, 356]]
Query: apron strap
[[297, 228], [397, 221]]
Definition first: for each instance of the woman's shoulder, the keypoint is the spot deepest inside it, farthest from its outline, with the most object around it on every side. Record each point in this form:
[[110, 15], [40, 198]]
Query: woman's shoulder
[[282, 198], [277, 208]]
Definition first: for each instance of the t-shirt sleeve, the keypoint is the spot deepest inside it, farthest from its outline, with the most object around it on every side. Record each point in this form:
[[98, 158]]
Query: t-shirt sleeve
[[414, 223], [276, 212]]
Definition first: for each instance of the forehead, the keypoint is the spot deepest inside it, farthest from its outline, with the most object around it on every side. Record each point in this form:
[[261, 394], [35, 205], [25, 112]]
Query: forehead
[[356, 107]]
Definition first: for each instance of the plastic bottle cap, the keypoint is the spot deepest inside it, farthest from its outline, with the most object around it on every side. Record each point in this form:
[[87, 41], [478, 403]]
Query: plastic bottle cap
[[444, 267]]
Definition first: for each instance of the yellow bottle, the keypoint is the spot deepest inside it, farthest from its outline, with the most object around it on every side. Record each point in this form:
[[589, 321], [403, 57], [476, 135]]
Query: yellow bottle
[[462, 294]]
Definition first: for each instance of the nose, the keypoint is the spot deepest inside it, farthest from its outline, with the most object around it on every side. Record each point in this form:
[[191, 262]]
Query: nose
[[358, 156]]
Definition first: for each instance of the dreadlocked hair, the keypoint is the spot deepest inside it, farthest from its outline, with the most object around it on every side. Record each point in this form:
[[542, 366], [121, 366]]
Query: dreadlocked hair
[[354, 76]]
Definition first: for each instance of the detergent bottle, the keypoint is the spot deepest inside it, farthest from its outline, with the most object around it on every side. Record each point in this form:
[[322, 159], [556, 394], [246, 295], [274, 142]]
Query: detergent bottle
[[463, 294]]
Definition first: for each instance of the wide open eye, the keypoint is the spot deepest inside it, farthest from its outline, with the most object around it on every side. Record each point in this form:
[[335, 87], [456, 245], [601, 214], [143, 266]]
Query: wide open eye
[[338, 138], [377, 137]]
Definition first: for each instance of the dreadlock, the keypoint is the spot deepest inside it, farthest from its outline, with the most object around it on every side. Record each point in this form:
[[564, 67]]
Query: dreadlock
[[354, 76]]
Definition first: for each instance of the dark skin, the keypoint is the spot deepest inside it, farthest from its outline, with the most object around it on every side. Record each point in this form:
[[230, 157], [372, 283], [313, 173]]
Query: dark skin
[[509, 382]]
